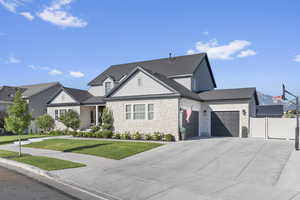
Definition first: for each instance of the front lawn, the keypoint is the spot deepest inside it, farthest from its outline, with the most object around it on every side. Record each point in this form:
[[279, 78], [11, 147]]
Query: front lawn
[[108, 149], [13, 138], [42, 162]]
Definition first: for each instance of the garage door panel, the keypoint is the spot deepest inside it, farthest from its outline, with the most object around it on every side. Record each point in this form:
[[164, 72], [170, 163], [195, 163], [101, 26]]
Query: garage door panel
[[225, 123]]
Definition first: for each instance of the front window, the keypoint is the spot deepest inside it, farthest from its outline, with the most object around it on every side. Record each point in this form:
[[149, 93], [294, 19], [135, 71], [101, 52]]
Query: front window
[[139, 111], [150, 111], [56, 115], [107, 87], [128, 112], [62, 112]]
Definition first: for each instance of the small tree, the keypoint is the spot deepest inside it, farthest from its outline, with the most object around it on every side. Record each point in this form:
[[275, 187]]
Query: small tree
[[18, 118], [71, 120], [107, 119], [45, 122]]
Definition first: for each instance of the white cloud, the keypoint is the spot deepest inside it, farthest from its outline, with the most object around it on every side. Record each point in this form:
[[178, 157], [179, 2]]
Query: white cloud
[[55, 72], [11, 5], [297, 58], [222, 52], [76, 74], [246, 53], [12, 60], [27, 15], [51, 71], [57, 15]]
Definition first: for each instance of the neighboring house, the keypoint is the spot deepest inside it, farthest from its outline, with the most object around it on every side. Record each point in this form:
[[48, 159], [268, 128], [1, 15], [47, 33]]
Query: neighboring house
[[270, 111], [36, 95], [158, 95]]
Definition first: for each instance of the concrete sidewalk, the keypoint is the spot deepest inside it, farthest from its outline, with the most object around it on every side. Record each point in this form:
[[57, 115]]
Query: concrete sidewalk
[[215, 168]]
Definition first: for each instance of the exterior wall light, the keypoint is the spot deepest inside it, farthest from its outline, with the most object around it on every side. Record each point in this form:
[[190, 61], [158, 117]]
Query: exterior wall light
[[244, 112], [204, 112]]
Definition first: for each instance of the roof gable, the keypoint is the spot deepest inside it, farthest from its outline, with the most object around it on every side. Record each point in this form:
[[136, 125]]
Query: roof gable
[[175, 66], [63, 97], [70, 95], [36, 88], [150, 85]]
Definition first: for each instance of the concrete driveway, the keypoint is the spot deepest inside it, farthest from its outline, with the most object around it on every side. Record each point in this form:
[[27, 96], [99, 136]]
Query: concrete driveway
[[215, 168]]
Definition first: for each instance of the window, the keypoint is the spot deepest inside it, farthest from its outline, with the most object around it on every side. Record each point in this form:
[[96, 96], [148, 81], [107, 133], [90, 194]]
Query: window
[[150, 111], [139, 82], [56, 115], [107, 86], [128, 111], [62, 112], [139, 111], [92, 117]]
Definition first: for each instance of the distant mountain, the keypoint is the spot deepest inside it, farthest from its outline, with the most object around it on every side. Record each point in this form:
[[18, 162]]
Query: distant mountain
[[265, 99]]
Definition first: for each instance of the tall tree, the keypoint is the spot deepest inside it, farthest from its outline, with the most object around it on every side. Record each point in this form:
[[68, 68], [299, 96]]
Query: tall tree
[[18, 117]]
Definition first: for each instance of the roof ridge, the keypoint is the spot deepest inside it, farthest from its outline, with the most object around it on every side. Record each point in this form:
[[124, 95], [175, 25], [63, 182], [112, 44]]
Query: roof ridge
[[157, 59]]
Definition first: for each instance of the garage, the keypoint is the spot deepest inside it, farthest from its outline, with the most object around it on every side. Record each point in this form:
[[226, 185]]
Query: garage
[[225, 123]]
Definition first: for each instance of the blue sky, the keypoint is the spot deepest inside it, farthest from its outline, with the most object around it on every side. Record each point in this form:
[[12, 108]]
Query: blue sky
[[250, 43]]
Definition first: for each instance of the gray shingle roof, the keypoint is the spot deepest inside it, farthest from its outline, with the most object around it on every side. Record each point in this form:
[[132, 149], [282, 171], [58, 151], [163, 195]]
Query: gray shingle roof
[[7, 93], [36, 88], [79, 95], [180, 65], [269, 110], [229, 94], [95, 100]]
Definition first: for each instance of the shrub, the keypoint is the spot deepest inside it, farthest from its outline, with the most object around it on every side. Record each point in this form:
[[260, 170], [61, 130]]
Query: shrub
[[157, 136], [137, 136], [125, 136], [94, 129], [107, 133], [148, 136], [107, 119], [45, 122], [57, 132], [169, 137], [70, 119], [116, 136], [98, 134]]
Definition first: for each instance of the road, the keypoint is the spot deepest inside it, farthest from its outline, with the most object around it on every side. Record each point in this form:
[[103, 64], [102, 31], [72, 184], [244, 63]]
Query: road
[[14, 186]]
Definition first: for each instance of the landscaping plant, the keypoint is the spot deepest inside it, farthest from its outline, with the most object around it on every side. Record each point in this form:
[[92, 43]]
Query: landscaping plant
[[157, 136], [137, 136], [125, 136], [18, 118], [71, 120], [169, 138], [45, 122], [107, 119]]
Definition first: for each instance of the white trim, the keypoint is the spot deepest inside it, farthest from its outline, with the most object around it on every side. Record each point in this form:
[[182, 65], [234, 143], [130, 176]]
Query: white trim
[[146, 111]]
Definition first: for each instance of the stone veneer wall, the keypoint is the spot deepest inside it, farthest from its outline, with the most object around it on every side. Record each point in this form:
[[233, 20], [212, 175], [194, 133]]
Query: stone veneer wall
[[165, 117]]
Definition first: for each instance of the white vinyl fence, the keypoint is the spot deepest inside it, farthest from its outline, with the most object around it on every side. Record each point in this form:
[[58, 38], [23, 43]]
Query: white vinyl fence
[[282, 128]]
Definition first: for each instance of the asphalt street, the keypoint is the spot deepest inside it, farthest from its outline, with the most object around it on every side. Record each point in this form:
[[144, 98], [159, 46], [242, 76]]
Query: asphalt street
[[14, 186]]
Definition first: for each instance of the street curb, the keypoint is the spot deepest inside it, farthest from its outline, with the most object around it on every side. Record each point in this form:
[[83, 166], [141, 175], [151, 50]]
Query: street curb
[[48, 175]]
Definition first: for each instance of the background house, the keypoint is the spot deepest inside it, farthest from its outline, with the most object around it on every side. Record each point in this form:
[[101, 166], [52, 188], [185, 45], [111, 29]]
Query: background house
[[37, 96]]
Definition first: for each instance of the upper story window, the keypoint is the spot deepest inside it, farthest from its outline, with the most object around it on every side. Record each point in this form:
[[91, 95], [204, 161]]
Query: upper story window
[[108, 87]]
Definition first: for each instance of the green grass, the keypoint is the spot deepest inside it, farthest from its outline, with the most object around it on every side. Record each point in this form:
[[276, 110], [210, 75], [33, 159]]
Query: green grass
[[42, 162], [13, 138], [108, 149]]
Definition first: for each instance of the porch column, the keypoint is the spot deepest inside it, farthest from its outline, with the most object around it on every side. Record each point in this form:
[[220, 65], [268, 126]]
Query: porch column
[[97, 116]]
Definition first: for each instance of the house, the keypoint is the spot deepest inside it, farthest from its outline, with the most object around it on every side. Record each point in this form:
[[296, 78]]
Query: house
[[37, 96], [269, 111], [169, 95]]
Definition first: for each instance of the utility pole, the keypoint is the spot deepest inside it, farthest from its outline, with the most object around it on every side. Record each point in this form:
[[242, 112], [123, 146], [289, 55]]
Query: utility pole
[[284, 92]]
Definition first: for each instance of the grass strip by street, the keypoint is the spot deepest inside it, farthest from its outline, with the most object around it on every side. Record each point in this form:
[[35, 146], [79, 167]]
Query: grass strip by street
[[13, 138], [41, 162], [109, 149]]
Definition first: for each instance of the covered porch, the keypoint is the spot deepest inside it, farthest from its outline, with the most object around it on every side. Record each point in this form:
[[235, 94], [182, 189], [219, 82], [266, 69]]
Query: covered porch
[[90, 115]]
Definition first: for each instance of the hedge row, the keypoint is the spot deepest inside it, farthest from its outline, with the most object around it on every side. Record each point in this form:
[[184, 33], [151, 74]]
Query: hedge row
[[157, 136]]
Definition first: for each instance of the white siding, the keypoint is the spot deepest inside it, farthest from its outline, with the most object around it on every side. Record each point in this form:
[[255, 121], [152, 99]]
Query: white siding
[[148, 86], [99, 90], [186, 82], [63, 97]]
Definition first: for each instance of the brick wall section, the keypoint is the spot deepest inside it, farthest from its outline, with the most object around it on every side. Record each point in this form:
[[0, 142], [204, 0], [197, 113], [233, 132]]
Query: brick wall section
[[165, 117]]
